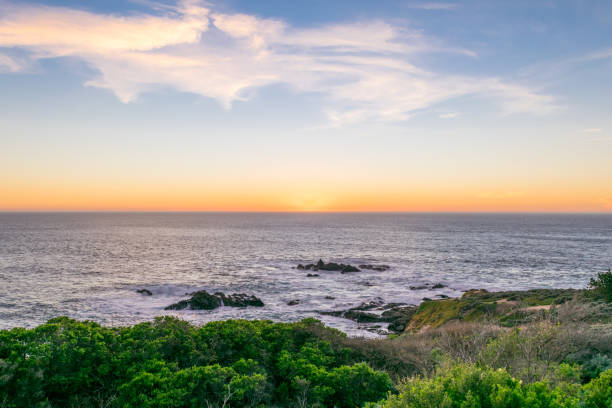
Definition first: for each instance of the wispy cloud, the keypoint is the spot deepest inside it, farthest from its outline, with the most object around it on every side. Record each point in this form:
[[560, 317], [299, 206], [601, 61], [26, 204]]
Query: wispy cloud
[[591, 130], [8, 64], [366, 70]]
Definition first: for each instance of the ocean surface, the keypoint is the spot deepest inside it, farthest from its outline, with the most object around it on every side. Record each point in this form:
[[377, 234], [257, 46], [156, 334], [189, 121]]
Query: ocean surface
[[89, 265]]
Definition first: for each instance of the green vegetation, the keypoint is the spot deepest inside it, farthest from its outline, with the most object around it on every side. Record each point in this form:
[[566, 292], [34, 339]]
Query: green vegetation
[[170, 363], [507, 309], [539, 348], [464, 385], [601, 286]]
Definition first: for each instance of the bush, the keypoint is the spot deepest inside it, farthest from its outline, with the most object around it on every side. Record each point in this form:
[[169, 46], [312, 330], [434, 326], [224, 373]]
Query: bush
[[466, 386], [601, 286]]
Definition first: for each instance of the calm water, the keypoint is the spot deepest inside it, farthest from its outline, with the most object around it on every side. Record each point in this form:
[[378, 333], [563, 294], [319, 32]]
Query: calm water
[[88, 266]]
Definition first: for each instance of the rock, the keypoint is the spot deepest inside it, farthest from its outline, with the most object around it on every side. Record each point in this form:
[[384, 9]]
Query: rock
[[202, 300], [379, 268], [145, 292], [425, 299], [399, 317], [354, 315], [397, 327], [396, 314], [331, 266], [330, 297], [312, 275], [428, 286], [442, 296], [349, 268], [239, 300], [293, 302]]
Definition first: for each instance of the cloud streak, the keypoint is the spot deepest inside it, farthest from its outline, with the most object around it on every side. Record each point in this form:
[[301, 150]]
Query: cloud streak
[[365, 70]]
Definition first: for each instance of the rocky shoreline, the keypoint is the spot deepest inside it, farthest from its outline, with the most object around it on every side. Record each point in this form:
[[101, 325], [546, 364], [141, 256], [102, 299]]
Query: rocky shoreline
[[385, 318]]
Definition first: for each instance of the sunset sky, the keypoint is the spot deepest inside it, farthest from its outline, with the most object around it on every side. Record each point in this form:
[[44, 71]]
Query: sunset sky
[[277, 105]]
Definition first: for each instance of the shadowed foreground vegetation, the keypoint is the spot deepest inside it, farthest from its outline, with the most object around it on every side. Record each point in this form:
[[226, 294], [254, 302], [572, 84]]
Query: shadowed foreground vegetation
[[557, 356]]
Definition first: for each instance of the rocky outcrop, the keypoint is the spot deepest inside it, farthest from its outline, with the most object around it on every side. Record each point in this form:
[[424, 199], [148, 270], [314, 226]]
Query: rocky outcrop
[[202, 300], [398, 315], [330, 266], [145, 292]]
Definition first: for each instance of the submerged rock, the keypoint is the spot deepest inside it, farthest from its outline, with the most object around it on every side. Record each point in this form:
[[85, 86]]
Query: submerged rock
[[428, 286], [379, 268], [202, 300], [145, 292], [293, 302], [312, 275]]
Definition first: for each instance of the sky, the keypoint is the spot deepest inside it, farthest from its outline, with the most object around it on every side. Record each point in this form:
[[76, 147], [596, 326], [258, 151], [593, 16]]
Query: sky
[[271, 105]]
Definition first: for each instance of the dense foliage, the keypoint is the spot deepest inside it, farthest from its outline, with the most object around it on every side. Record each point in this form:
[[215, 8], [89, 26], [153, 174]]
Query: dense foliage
[[471, 386], [170, 363]]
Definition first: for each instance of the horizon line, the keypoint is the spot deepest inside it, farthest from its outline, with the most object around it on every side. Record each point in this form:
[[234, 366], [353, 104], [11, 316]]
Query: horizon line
[[290, 212]]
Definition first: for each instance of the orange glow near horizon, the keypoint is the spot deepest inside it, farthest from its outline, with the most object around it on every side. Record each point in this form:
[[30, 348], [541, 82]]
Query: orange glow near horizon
[[268, 199]]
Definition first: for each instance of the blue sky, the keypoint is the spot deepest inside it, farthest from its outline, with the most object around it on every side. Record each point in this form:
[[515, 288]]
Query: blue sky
[[475, 105]]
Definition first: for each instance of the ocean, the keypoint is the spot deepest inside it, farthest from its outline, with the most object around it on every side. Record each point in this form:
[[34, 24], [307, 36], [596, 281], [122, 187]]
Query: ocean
[[90, 265]]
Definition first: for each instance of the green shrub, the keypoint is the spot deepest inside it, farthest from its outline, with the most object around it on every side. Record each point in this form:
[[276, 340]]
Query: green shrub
[[471, 386], [601, 286]]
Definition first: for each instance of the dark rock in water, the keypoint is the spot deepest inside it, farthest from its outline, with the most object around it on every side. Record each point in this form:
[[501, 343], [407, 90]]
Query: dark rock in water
[[145, 292], [293, 302], [239, 300], [330, 297], [365, 283], [442, 296], [428, 286], [399, 317], [312, 275], [354, 315], [361, 317], [379, 268], [349, 268], [396, 314], [331, 266], [203, 300], [393, 305], [425, 299]]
